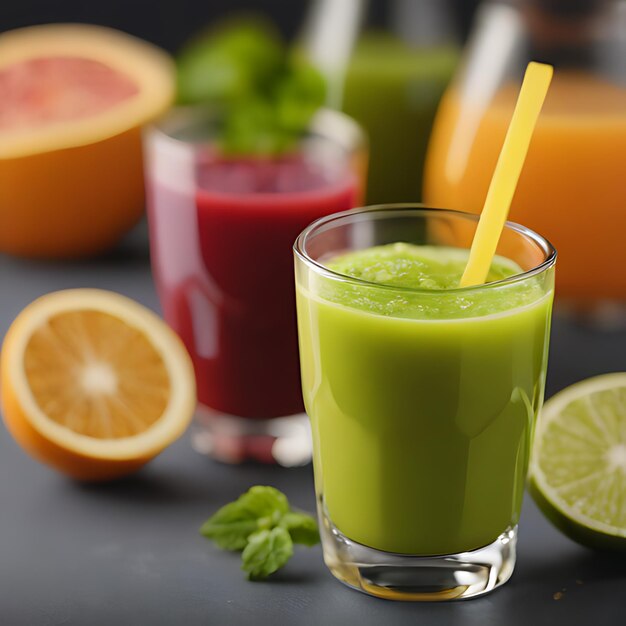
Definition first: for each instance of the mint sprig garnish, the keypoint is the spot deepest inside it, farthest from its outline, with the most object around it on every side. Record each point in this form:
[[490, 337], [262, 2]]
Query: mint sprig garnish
[[262, 525], [264, 93], [301, 527], [266, 552]]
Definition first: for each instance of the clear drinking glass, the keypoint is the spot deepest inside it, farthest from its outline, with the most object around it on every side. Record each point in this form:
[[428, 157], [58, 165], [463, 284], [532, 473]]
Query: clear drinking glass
[[387, 65], [221, 233], [422, 405]]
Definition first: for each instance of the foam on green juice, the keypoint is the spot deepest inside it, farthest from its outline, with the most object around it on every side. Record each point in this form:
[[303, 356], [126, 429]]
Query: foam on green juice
[[434, 271]]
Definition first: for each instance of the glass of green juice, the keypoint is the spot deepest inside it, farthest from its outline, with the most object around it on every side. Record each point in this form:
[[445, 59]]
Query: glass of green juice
[[422, 395]]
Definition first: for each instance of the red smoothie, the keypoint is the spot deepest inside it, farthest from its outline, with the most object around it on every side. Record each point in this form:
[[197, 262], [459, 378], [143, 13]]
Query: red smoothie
[[222, 259]]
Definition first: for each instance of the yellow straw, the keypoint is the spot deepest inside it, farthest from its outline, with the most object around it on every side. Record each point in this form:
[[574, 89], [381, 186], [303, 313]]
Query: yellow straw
[[496, 209]]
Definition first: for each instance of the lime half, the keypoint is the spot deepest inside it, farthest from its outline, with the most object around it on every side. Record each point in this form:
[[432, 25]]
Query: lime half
[[578, 465]]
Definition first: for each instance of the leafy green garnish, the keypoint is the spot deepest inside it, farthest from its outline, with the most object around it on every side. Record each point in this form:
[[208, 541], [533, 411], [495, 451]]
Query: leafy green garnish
[[229, 62], [302, 528], [262, 525], [265, 94], [266, 552], [230, 527]]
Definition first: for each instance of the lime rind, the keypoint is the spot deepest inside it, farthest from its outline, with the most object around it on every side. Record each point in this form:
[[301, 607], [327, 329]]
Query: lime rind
[[578, 465]]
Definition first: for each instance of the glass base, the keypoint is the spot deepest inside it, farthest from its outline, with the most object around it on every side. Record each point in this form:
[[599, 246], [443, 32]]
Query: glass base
[[284, 441], [419, 578]]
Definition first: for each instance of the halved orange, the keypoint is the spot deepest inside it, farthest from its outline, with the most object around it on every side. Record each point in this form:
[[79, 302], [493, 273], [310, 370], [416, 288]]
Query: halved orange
[[94, 384], [74, 98]]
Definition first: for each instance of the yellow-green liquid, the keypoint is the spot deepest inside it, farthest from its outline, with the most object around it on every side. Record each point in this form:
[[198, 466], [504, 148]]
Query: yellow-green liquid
[[392, 89], [422, 404]]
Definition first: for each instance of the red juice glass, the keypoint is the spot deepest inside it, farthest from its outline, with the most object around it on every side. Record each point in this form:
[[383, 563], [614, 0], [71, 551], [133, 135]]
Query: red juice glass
[[221, 232]]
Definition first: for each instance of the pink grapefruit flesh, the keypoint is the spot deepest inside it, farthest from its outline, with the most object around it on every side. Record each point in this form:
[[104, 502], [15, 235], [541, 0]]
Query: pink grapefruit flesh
[[39, 91]]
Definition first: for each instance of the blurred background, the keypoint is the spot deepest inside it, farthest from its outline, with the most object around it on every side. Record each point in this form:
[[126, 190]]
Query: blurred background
[[169, 23]]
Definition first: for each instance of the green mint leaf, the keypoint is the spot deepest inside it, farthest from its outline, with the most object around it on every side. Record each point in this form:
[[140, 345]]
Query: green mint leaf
[[229, 62], [299, 95], [265, 95], [250, 128], [254, 42], [301, 527], [259, 507], [266, 552], [230, 527], [262, 525], [264, 501], [209, 75]]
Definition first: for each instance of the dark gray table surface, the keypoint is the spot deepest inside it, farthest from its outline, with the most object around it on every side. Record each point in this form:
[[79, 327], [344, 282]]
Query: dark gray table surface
[[130, 553]]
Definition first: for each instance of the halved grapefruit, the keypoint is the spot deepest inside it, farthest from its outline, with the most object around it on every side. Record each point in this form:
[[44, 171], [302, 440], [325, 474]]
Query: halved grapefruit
[[74, 99]]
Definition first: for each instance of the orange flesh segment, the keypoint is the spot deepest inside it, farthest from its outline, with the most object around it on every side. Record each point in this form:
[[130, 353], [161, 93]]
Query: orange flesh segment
[[46, 90], [96, 375]]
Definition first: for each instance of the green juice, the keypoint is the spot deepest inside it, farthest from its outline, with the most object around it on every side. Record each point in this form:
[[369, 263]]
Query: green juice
[[393, 89], [422, 397]]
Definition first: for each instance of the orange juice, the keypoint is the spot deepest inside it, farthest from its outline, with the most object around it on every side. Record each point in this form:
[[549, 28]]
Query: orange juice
[[573, 185]]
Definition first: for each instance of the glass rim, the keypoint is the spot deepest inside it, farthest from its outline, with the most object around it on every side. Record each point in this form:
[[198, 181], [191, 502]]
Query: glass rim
[[163, 128], [299, 248]]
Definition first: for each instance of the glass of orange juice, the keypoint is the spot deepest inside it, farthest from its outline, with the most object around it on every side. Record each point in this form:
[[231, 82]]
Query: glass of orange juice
[[572, 187]]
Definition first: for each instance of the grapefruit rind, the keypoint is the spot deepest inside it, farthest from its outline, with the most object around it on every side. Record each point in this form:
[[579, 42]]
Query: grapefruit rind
[[147, 66], [573, 523], [142, 446]]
